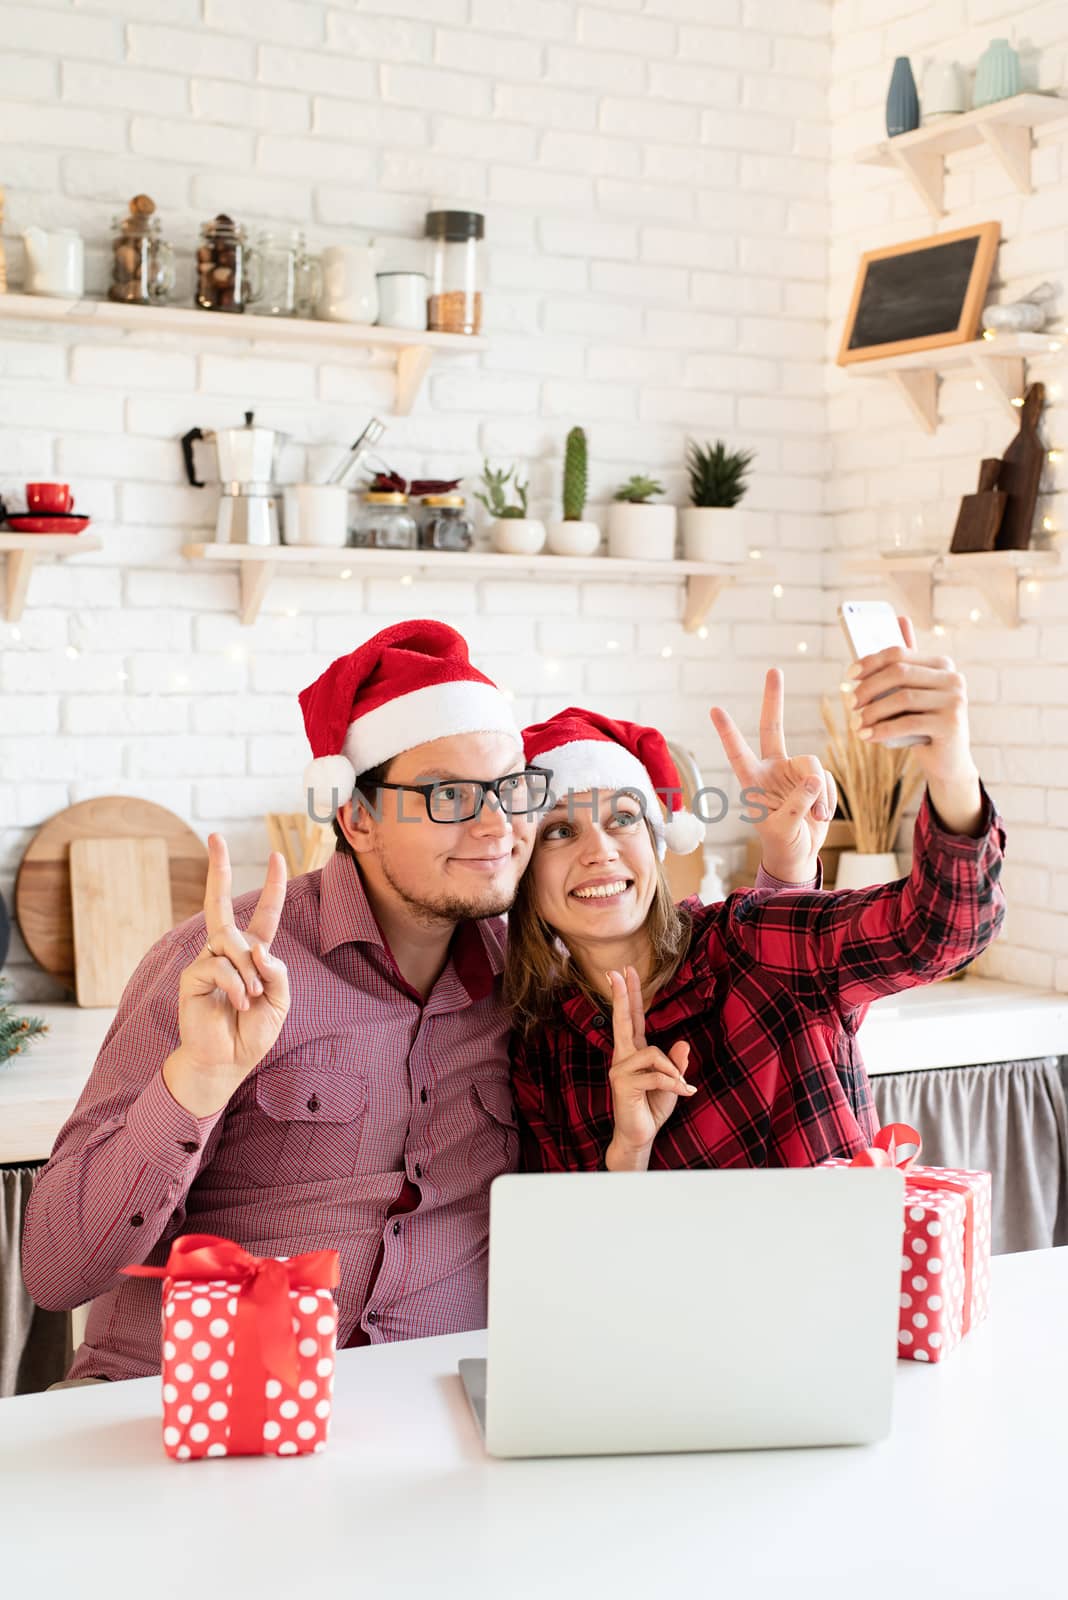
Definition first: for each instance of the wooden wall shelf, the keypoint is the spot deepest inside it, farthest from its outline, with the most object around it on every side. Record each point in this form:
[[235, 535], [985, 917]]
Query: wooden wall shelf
[[995, 573], [997, 364], [258, 565], [20, 551], [1005, 128], [414, 351]]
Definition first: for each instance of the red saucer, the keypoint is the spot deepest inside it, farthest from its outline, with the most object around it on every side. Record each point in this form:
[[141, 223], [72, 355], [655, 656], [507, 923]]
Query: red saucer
[[25, 522]]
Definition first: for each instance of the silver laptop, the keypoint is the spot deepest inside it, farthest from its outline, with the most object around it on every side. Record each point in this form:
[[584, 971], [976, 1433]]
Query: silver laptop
[[637, 1312]]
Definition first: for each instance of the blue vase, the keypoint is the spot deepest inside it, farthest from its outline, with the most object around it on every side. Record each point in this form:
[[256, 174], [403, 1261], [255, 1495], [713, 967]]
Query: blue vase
[[997, 77], [902, 101]]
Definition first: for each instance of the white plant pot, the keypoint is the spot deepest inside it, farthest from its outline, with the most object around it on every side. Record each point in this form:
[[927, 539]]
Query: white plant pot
[[714, 533], [574, 538], [641, 532], [518, 536], [860, 870]]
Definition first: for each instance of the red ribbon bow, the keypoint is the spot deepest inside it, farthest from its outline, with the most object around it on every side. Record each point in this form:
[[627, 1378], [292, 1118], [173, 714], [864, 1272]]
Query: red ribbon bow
[[265, 1345], [885, 1151]]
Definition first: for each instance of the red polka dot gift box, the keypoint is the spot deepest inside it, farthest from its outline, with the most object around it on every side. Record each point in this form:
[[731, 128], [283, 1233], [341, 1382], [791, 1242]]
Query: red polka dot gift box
[[248, 1349], [945, 1253]]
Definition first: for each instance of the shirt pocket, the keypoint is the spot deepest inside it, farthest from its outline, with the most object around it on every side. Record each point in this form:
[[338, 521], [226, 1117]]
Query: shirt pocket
[[310, 1113], [496, 1140]]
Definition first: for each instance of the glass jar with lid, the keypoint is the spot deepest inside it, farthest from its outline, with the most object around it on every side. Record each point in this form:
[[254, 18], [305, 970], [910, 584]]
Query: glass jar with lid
[[142, 263], [455, 302], [446, 525], [227, 266], [289, 279], [384, 523]]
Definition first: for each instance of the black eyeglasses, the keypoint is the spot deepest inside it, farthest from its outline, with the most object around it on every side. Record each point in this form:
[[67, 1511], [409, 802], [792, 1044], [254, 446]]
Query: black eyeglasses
[[519, 794]]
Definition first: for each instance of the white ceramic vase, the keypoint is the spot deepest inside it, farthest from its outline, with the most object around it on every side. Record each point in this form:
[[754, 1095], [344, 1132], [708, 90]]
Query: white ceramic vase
[[518, 536], [641, 532], [858, 869], [942, 94], [574, 538], [714, 533]]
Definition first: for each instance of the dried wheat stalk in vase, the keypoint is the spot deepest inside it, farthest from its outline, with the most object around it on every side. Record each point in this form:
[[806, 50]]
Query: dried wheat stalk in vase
[[867, 776]]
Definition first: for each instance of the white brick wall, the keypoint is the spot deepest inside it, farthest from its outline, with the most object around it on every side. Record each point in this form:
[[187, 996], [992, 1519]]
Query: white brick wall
[[883, 467], [655, 181]]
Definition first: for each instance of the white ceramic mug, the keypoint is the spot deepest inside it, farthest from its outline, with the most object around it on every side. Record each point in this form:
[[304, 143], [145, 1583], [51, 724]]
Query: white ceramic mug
[[349, 292], [402, 300], [317, 513]]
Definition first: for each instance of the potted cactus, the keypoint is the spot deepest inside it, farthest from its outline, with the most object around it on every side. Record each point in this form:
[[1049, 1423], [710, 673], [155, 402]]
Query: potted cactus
[[713, 529], [573, 536], [512, 532], [638, 531]]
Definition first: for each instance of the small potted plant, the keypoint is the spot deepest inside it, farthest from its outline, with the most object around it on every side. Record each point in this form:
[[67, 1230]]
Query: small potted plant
[[573, 536], [513, 533], [638, 531], [712, 528]]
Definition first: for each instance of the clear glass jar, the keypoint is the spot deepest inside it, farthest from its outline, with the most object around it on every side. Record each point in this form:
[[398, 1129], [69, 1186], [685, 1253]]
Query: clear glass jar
[[384, 523], [227, 266], [289, 280], [446, 525], [142, 263], [455, 302]]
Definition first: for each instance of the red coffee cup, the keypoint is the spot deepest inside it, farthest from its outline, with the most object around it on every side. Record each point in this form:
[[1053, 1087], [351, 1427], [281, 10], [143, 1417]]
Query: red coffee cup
[[49, 499]]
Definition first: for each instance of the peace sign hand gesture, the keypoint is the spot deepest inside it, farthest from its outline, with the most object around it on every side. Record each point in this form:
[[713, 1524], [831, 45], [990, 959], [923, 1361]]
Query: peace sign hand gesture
[[645, 1082], [797, 792], [234, 997]]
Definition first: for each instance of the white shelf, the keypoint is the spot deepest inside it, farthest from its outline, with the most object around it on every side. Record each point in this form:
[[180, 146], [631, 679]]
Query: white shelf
[[414, 351], [20, 551], [967, 1022], [996, 363], [1004, 127], [995, 573], [258, 565]]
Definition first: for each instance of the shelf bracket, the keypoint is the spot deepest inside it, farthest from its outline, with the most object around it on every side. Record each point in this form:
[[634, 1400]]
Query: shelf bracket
[[19, 567], [1012, 148], [413, 362], [926, 172], [1003, 375], [919, 389], [256, 579], [701, 595], [916, 590], [1001, 589]]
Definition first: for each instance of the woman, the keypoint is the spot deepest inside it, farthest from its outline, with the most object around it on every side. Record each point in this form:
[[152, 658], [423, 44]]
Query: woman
[[655, 1036]]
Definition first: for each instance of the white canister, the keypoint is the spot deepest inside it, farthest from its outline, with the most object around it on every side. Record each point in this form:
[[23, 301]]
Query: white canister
[[942, 94], [349, 292], [402, 300], [317, 513], [55, 262]]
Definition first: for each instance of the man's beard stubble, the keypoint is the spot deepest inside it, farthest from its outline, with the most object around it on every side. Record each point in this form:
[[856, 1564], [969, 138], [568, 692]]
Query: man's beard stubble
[[447, 908]]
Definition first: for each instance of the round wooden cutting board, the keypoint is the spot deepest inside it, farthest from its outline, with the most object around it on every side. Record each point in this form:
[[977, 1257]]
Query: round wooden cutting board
[[42, 888]]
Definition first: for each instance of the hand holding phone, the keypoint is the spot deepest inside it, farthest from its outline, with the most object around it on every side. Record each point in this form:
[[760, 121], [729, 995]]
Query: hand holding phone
[[871, 626]]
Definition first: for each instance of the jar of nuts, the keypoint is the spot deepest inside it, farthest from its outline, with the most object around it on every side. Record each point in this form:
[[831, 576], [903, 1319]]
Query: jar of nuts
[[227, 268], [455, 302], [142, 264]]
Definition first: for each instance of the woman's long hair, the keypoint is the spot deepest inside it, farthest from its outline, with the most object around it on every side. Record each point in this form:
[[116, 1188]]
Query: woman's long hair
[[539, 972]]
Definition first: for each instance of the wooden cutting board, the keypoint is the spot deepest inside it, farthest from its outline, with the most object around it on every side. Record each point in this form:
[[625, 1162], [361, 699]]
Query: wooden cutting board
[[1020, 475], [42, 888], [120, 892]]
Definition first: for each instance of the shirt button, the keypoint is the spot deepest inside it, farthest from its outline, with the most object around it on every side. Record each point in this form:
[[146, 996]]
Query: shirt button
[[190, 1146], [396, 1229], [423, 1096], [419, 1172], [372, 1316], [314, 1103], [598, 1020], [137, 1221]]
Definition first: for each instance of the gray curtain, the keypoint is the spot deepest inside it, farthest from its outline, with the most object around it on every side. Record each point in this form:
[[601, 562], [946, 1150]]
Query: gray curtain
[[1008, 1119], [35, 1345]]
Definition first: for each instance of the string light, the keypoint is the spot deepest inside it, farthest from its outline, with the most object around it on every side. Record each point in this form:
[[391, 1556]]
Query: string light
[[16, 634], [978, 385], [802, 647], [1055, 344], [122, 675], [975, 615], [611, 644], [72, 653], [939, 631], [1054, 455], [552, 667], [1017, 400], [346, 572], [756, 555], [778, 591], [702, 632], [290, 611], [667, 651], [1031, 586], [988, 333], [1048, 525], [407, 580], [180, 680], [236, 652]]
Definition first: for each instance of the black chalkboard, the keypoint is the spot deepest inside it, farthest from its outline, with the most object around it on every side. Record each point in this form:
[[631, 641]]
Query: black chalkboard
[[922, 294], [914, 296]]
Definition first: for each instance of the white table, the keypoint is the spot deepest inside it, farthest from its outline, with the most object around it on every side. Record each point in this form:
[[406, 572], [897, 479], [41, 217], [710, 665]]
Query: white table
[[966, 1498]]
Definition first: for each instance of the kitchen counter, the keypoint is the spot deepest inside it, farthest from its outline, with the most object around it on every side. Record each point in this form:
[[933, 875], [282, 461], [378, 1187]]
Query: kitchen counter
[[965, 1023]]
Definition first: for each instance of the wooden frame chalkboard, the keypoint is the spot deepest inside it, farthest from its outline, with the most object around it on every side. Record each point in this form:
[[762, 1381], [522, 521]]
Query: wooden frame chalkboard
[[920, 295]]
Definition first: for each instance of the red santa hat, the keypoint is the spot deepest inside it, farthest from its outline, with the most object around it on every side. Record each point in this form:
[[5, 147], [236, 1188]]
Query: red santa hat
[[587, 751], [412, 683]]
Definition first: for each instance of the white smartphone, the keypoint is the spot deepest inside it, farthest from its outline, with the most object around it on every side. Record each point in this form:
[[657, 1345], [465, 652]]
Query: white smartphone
[[872, 625]]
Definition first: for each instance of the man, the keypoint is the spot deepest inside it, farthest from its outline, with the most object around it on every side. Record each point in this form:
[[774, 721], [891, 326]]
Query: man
[[327, 1064]]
